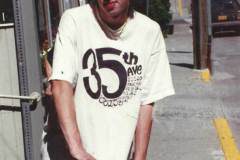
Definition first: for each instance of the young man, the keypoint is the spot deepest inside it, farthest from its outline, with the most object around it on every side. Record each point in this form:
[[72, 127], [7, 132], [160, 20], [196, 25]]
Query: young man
[[110, 66]]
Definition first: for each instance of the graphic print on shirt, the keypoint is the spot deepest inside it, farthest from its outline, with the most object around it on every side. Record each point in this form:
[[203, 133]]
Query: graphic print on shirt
[[129, 78]]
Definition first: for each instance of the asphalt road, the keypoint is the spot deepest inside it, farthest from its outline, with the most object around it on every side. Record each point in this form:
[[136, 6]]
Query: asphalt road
[[183, 126]]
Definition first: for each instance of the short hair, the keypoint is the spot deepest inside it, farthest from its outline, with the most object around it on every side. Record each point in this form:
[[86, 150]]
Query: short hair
[[130, 9]]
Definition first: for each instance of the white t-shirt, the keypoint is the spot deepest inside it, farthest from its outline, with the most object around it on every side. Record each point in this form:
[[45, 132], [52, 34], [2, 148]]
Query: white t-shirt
[[112, 78]]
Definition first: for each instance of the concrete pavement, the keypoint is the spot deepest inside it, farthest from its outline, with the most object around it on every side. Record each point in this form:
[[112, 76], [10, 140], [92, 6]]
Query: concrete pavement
[[183, 126]]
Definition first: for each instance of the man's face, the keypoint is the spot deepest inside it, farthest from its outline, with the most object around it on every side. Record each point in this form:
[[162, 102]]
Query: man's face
[[113, 8]]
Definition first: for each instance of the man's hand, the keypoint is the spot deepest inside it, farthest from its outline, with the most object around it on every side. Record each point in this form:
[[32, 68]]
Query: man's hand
[[83, 155], [79, 153]]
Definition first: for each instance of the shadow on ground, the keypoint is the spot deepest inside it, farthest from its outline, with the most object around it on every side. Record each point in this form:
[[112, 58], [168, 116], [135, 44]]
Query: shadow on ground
[[185, 65]]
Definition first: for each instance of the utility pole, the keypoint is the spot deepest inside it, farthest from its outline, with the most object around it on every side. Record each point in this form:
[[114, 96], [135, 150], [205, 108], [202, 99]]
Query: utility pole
[[195, 33], [201, 34]]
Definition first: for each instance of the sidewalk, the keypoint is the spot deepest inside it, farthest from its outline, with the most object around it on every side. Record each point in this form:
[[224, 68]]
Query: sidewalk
[[183, 126]]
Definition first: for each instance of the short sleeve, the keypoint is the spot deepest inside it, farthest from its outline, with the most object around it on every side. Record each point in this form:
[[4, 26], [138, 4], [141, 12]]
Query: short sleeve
[[65, 55], [157, 82]]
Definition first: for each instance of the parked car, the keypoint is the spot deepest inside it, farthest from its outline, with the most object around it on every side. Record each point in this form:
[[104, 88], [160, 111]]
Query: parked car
[[225, 15]]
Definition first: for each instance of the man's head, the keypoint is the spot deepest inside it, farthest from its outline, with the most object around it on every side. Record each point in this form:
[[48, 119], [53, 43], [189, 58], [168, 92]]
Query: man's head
[[114, 5], [113, 10], [111, 14]]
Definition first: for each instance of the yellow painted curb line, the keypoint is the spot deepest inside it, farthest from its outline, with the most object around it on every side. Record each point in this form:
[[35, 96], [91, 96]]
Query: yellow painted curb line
[[227, 140], [205, 75]]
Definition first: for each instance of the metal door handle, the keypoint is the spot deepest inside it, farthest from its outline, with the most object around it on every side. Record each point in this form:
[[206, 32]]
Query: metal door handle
[[34, 97]]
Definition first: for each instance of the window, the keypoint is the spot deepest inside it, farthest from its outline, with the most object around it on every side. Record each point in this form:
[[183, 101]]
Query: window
[[6, 11]]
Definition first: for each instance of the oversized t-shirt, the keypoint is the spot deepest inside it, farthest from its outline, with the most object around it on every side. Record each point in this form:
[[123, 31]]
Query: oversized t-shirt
[[112, 78]]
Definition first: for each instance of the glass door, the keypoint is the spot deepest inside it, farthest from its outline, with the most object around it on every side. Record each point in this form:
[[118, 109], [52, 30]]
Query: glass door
[[11, 141]]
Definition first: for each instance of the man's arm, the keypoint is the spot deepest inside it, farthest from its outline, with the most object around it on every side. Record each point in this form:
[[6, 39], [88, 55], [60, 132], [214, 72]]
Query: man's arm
[[48, 71], [143, 131], [63, 99]]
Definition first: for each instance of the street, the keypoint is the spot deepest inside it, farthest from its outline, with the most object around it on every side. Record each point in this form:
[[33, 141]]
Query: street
[[183, 127]]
